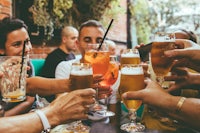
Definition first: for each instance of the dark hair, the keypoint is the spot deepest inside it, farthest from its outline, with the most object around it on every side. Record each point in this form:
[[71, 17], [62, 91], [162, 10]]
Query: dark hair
[[190, 34], [8, 25], [90, 23]]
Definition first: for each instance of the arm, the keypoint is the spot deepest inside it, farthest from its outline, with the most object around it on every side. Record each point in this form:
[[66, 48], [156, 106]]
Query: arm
[[66, 108], [47, 86], [21, 108], [189, 112]]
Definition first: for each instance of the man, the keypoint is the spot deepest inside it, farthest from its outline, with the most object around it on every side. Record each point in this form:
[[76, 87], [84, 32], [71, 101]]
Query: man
[[69, 37], [90, 32]]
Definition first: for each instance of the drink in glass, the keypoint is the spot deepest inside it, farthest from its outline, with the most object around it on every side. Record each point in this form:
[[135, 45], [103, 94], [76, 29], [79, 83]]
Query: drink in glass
[[99, 59], [160, 63], [13, 82], [112, 73], [130, 56], [132, 79], [81, 76]]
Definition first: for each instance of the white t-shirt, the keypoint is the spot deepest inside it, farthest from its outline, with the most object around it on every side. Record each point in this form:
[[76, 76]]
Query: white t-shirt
[[63, 71]]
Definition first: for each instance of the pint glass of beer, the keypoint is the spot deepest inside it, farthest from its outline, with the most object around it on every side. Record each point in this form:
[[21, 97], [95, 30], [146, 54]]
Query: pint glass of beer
[[160, 63], [81, 76], [130, 56], [132, 79]]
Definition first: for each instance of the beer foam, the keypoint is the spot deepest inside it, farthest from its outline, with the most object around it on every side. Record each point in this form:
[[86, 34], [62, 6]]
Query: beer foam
[[129, 55], [81, 72], [132, 70]]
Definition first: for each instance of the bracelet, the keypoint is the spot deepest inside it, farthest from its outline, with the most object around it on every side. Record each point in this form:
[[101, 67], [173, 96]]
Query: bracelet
[[45, 122], [180, 104]]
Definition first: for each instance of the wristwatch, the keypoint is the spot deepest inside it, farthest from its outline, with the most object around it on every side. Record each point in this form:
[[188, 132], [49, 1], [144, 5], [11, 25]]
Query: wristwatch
[[44, 120]]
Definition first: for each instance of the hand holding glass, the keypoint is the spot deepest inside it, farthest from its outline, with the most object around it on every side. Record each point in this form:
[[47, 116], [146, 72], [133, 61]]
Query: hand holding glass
[[132, 79]]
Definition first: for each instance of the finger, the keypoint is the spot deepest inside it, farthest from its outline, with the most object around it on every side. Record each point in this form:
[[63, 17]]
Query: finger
[[132, 95], [88, 101], [85, 92]]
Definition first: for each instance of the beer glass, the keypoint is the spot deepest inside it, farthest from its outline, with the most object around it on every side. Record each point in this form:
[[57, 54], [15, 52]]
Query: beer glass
[[130, 56], [160, 63], [81, 76], [13, 82], [99, 57], [132, 79]]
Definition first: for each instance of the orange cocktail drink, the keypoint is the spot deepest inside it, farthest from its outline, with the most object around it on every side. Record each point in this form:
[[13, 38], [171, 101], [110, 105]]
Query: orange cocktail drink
[[99, 59]]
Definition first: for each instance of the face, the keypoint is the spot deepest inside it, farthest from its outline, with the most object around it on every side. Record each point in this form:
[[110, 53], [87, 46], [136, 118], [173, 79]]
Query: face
[[89, 35], [71, 40], [15, 41]]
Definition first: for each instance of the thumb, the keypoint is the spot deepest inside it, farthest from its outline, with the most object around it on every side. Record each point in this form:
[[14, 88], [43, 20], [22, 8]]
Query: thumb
[[132, 95]]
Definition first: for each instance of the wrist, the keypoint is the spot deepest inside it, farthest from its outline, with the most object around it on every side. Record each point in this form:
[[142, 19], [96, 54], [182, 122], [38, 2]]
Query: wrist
[[53, 120], [44, 121]]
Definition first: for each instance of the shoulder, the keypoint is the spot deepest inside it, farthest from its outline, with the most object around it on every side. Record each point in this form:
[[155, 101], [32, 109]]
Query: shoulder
[[63, 69]]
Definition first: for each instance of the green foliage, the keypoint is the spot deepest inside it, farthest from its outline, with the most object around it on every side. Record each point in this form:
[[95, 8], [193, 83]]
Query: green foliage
[[150, 16], [57, 13]]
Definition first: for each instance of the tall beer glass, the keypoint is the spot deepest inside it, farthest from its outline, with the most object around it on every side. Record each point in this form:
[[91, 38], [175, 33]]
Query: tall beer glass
[[132, 79], [130, 56], [160, 63], [81, 76]]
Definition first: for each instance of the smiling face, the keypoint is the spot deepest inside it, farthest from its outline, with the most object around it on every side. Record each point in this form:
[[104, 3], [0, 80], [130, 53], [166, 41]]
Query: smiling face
[[14, 42]]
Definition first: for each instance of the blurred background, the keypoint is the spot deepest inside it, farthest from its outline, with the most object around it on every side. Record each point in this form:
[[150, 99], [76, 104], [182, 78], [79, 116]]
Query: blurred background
[[134, 20]]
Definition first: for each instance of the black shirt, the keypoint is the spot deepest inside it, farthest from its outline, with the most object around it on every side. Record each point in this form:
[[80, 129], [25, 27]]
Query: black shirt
[[52, 60]]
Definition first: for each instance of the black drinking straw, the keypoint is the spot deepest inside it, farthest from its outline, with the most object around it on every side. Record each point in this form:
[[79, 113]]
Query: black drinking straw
[[22, 62], [105, 35]]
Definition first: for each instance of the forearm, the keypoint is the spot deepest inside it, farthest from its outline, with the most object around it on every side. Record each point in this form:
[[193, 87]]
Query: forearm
[[47, 86], [27, 123], [188, 113], [21, 108]]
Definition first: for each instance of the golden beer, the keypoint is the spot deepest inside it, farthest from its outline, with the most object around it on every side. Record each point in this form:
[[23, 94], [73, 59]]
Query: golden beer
[[160, 63], [81, 76], [132, 79], [130, 56]]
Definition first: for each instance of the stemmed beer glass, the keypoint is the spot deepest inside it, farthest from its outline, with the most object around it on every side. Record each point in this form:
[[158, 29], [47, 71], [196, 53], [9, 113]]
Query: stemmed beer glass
[[132, 79], [160, 63]]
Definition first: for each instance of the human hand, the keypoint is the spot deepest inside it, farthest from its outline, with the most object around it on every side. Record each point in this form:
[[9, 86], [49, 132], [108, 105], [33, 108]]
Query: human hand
[[103, 91], [97, 78], [150, 95], [183, 79], [185, 57], [70, 107]]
